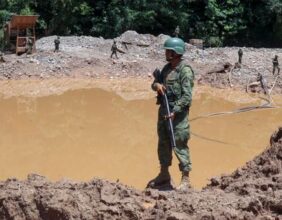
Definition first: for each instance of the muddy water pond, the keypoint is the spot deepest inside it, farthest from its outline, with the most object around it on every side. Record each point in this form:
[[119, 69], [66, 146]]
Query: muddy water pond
[[89, 133]]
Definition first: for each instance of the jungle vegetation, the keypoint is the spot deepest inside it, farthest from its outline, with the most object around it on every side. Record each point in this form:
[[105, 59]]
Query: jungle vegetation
[[256, 23]]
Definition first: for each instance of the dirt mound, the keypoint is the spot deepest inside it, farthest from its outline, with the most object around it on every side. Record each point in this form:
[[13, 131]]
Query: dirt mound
[[86, 56], [252, 192], [259, 182]]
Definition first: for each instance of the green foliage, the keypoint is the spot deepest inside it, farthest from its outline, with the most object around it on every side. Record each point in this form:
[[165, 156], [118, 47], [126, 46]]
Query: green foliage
[[26, 11], [4, 16], [213, 42], [224, 18], [275, 6], [218, 22]]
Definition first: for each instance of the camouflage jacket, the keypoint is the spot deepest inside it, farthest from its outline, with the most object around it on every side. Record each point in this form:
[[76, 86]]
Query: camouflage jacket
[[29, 43], [114, 48], [275, 62], [57, 41], [179, 83]]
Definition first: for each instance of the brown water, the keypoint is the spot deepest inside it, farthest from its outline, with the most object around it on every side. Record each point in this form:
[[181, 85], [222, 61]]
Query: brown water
[[90, 133]]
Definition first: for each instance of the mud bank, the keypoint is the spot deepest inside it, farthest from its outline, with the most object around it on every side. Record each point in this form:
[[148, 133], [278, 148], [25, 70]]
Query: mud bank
[[251, 192]]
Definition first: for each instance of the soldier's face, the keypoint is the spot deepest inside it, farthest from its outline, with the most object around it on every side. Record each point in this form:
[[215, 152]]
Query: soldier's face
[[169, 54]]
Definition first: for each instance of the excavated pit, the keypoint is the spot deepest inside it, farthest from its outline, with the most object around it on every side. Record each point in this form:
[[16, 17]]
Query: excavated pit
[[86, 133], [56, 122], [251, 192]]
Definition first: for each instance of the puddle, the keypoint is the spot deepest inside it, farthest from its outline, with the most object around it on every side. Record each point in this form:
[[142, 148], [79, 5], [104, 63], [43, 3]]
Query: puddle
[[89, 133]]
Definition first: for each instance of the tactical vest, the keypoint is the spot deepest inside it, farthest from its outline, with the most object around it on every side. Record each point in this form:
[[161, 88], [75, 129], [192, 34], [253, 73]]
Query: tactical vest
[[57, 42], [172, 82]]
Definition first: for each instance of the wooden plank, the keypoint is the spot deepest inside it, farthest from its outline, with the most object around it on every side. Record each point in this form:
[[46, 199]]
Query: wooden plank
[[23, 21]]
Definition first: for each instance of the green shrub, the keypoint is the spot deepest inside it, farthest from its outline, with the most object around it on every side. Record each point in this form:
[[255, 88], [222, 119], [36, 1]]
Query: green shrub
[[214, 42]]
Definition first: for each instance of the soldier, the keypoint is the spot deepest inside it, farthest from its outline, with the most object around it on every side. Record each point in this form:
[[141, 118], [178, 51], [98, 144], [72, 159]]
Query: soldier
[[2, 60], [114, 49], [240, 54], [263, 83], [57, 44], [260, 81], [275, 65], [29, 46], [176, 31], [178, 83]]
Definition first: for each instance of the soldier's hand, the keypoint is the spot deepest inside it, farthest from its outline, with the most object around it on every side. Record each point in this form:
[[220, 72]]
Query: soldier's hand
[[160, 88], [172, 116]]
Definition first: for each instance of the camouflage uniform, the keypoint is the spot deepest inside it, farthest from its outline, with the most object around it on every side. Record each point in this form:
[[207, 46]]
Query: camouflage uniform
[[176, 31], [57, 44], [29, 46], [240, 54], [114, 50], [2, 60], [275, 65], [179, 84]]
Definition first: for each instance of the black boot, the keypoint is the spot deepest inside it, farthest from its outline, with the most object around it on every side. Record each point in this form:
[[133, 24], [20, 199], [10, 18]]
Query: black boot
[[163, 179]]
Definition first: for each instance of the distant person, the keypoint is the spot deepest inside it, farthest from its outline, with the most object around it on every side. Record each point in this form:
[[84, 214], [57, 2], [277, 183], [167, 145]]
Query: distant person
[[29, 45], [176, 31], [114, 49], [260, 81], [2, 60], [275, 65], [57, 44], [263, 83], [240, 55]]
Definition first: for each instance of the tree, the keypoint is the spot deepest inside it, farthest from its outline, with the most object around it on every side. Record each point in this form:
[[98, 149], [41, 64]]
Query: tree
[[275, 8], [224, 19], [219, 22]]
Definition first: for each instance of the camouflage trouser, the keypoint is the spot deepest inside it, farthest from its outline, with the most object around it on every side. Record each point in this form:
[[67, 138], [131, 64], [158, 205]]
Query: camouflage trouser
[[29, 50], [181, 132], [274, 69], [56, 48], [114, 53]]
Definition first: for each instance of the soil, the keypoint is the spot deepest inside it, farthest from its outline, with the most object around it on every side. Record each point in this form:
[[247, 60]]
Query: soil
[[253, 191], [89, 57]]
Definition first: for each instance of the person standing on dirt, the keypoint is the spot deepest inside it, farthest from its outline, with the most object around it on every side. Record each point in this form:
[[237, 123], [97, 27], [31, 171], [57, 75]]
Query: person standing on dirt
[[57, 44], [29, 46], [2, 60], [240, 55], [177, 82], [275, 65], [114, 49], [176, 31]]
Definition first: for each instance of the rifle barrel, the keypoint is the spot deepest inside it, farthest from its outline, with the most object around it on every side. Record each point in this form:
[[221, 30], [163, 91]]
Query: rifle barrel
[[170, 125]]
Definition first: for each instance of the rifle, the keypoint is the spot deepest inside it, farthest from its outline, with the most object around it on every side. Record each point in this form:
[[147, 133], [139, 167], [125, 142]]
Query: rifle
[[121, 51], [158, 78]]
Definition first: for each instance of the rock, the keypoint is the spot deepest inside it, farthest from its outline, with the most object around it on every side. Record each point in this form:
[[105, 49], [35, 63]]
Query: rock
[[276, 137], [177, 216], [277, 207]]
